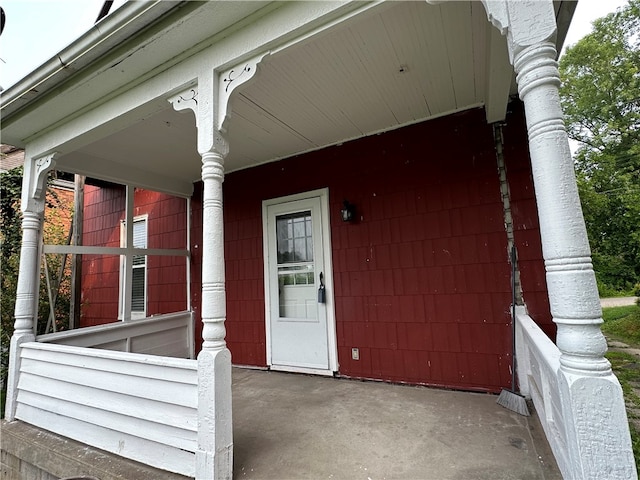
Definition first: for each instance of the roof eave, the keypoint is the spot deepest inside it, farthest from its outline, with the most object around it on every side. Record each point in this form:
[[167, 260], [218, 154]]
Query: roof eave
[[97, 41]]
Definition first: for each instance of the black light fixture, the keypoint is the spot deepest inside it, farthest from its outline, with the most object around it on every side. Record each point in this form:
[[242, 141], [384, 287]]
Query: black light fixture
[[348, 212]]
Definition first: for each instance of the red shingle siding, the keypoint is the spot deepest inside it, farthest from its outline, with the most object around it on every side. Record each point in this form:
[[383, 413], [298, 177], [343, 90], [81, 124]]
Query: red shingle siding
[[103, 210], [166, 276], [422, 281], [525, 221]]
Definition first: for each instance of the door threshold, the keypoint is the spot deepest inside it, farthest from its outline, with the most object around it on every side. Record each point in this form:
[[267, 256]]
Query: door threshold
[[307, 370]]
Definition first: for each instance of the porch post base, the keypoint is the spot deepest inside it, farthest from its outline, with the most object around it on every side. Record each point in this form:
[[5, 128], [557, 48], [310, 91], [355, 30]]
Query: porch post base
[[214, 457], [599, 444], [14, 368], [220, 461]]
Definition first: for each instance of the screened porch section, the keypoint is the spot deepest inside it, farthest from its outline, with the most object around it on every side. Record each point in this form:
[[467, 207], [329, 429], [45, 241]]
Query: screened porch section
[[126, 257], [125, 346]]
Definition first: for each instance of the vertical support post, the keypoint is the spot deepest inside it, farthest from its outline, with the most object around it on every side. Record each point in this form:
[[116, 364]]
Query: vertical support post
[[214, 457], [188, 248], [191, 330], [76, 259], [598, 440], [126, 260], [209, 101], [32, 205], [573, 293]]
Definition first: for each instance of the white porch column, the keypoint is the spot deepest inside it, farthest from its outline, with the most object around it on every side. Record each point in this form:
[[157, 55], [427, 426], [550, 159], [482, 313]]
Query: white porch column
[[597, 431], [34, 186], [209, 100], [214, 458]]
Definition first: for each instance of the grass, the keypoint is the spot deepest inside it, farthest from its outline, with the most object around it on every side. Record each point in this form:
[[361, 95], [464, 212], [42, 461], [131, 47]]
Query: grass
[[623, 324], [626, 368]]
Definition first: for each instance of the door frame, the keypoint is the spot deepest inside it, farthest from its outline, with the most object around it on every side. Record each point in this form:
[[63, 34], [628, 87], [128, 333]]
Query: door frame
[[332, 344]]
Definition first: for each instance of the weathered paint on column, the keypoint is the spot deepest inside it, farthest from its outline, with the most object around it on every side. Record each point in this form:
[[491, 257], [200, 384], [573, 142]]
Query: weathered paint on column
[[573, 294], [215, 433], [209, 100], [214, 455], [593, 403], [595, 423], [34, 187]]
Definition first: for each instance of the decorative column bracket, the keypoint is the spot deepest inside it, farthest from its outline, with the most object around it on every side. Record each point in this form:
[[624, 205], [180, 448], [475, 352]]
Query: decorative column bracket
[[186, 100], [231, 79], [36, 173]]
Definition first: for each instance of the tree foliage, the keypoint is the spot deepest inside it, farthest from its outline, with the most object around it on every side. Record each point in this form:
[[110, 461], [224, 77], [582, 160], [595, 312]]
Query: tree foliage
[[10, 219], [57, 219], [601, 99]]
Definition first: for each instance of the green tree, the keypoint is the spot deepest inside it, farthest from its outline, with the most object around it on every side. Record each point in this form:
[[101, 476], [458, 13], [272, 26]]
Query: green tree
[[601, 99], [10, 240], [10, 233]]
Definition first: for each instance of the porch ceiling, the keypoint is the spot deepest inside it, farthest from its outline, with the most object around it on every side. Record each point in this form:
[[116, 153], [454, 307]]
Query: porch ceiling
[[398, 65], [395, 64]]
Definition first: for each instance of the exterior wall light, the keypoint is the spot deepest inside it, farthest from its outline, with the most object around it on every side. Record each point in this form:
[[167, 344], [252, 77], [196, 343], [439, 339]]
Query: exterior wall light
[[348, 212]]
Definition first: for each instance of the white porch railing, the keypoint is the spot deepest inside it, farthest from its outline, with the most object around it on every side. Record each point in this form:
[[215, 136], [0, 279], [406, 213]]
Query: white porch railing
[[583, 416], [170, 335], [538, 362], [142, 407]]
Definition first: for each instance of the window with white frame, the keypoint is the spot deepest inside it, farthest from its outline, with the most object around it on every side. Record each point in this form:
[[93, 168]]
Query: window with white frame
[[139, 268]]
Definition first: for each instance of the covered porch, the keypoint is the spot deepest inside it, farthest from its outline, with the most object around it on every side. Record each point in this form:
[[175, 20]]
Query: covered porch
[[301, 426], [171, 97]]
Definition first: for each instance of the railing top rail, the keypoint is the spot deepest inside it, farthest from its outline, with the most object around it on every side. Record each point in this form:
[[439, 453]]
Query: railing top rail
[[131, 358], [117, 325], [538, 340], [89, 250]]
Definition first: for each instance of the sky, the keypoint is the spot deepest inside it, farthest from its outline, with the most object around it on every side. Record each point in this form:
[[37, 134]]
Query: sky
[[36, 30]]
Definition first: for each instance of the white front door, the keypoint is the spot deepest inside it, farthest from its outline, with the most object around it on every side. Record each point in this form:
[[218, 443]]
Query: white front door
[[296, 270]]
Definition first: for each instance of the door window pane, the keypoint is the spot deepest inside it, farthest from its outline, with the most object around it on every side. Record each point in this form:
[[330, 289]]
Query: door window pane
[[294, 237], [296, 277]]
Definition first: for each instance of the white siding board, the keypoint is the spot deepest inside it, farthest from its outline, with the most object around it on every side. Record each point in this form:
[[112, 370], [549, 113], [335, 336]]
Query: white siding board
[[169, 343], [133, 385], [171, 414], [120, 402], [151, 453], [116, 346], [131, 364], [115, 336], [128, 424]]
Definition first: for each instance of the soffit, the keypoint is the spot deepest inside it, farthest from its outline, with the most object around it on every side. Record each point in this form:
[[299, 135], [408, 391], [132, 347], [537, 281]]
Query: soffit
[[395, 65]]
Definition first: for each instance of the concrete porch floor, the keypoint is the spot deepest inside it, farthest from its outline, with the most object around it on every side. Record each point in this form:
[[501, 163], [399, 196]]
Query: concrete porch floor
[[291, 426]]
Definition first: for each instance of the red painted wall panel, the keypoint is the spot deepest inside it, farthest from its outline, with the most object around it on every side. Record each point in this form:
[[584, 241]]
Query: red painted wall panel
[[422, 281], [104, 209], [525, 220]]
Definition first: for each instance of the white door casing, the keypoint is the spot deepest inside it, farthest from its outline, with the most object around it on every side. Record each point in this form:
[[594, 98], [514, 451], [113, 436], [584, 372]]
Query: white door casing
[[300, 331]]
